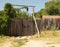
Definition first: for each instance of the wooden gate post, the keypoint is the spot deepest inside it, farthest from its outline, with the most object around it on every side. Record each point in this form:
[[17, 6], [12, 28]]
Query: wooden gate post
[[35, 22]]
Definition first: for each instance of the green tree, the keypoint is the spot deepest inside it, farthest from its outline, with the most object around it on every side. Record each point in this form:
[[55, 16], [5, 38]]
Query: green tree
[[3, 24], [1, 13], [22, 15], [51, 8], [9, 10], [43, 11], [6, 14]]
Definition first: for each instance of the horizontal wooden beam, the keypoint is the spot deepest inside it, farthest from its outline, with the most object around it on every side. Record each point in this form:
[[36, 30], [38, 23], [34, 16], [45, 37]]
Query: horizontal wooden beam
[[24, 5]]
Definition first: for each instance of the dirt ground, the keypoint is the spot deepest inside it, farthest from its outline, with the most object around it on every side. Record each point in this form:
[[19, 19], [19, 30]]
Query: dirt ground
[[40, 43], [32, 43], [47, 39]]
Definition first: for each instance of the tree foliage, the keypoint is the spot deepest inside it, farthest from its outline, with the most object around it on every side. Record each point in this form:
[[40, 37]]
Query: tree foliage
[[22, 15], [9, 10], [3, 24], [51, 8], [8, 13], [1, 13], [5, 16]]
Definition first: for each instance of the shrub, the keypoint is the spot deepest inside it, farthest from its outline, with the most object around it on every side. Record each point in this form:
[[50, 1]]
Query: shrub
[[3, 24]]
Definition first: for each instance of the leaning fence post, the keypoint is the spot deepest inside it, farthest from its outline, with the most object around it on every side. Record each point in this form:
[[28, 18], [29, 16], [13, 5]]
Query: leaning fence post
[[35, 23]]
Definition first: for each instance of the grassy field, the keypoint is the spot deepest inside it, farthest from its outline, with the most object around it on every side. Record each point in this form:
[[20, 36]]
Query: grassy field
[[50, 35], [6, 41]]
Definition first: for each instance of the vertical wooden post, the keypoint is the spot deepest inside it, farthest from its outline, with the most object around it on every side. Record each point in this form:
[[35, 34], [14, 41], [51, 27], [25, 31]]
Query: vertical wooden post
[[35, 22]]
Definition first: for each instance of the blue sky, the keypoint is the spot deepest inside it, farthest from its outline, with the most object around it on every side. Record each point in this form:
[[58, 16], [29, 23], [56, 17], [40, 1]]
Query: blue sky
[[38, 3]]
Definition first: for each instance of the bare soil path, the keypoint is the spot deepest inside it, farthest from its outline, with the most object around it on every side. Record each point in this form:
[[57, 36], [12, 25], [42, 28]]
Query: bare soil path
[[39, 43]]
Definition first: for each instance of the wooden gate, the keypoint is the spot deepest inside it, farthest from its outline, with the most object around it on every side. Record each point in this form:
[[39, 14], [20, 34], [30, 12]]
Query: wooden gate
[[20, 27], [15, 27], [28, 27]]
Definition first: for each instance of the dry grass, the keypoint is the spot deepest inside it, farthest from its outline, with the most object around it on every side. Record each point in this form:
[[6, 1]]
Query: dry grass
[[50, 36], [6, 41]]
